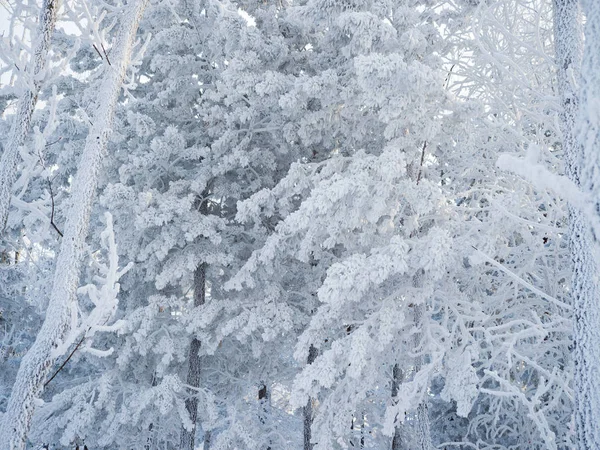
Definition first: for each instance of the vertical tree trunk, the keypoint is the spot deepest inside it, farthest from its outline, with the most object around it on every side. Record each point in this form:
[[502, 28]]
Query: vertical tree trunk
[[188, 437], [362, 430], [422, 419], [423, 430], [39, 359], [207, 438], [397, 376], [586, 302], [263, 401], [22, 121], [308, 409], [568, 43]]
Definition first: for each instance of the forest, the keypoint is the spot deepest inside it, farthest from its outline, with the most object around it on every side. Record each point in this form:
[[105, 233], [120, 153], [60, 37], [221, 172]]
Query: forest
[[300, 224]]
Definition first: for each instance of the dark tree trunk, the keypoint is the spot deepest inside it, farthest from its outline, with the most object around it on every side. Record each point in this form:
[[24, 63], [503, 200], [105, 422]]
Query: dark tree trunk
[[397, 376], [188, 437], [263, 401], [308, 409]]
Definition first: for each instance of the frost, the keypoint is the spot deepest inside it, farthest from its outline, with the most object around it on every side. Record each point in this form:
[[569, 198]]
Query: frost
[[461, 383]]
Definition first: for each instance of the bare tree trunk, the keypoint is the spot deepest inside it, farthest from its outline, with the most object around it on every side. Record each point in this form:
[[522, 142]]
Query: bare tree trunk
[[397, 376], [308, 409], [263, 400], [22, 121], [362, 430], [38, 360], [586, 302], [207, 438], [188, 437]]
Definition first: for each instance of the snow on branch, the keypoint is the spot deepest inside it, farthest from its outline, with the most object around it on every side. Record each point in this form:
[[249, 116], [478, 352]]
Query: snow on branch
[[542, 178], [103, 294]]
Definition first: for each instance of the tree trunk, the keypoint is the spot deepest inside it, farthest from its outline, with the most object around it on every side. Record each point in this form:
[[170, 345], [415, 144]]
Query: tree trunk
[[188, 437], [362, 430], [422, 419], [397, 376], [22, 121], [207, 437], [38, 360], [263, 401], [423, 430], [568, 42], [585, 249], [308, 409]]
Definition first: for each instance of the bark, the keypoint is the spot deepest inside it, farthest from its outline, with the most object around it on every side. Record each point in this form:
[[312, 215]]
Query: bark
[[39, 359], [207, 439], [585, 246], [308, 409], [22, 121], [397, 376], [568, 42], [362, 431], [423, 430], [188, 437], [263, 401], [422, 420]]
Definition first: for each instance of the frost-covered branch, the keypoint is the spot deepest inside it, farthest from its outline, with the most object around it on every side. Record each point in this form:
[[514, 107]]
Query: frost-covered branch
[[103, 295]]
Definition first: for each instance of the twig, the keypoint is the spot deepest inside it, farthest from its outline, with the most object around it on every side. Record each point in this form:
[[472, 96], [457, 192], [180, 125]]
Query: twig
[[66, 360], [55, 142], [422, 161], [521, 281], [447, 81], [97, 51], [52, 211], [50, 189], [105, 54]]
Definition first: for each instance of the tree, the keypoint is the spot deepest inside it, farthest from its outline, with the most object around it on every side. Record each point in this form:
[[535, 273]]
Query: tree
[[326, 252], [585, 251], [199, 133], [39, 358], [22, 121]]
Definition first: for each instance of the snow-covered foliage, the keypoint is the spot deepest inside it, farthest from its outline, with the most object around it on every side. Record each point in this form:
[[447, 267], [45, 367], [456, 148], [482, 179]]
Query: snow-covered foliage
[[323, 224], [60, 311]]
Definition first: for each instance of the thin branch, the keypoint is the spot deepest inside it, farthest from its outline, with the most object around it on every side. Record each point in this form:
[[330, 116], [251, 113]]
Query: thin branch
[[524, 283], [105, 54], [422, 161], [97, 51], [55, 142], [52, 211], [66, 360]]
